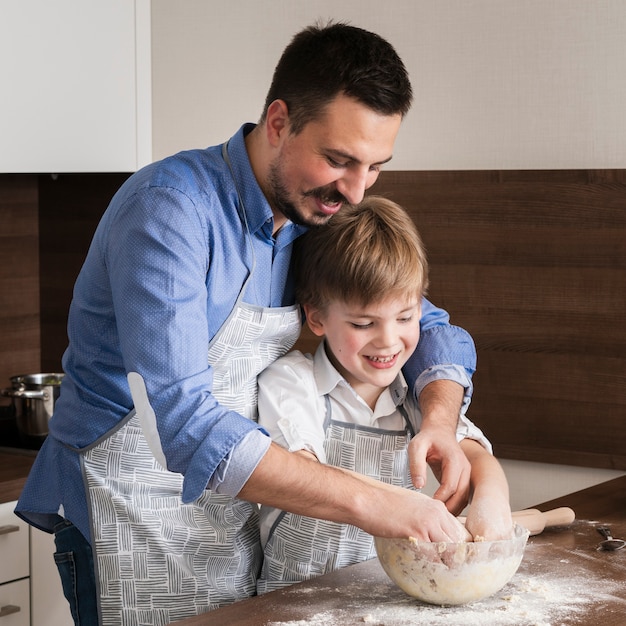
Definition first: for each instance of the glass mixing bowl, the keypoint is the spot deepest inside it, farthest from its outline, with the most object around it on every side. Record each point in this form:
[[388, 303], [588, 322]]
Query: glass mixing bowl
[[451, 573]]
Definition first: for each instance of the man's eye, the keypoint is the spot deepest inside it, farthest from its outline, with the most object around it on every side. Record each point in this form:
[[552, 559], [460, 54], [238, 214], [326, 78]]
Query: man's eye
[[334, 163]]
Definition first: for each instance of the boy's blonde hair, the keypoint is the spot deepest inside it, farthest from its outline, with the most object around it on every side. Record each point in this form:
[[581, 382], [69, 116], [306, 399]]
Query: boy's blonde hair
[[363, 254]]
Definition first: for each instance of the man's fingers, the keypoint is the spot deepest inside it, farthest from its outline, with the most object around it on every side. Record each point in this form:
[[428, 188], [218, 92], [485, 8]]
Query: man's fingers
[[418, 466], [454, 488]]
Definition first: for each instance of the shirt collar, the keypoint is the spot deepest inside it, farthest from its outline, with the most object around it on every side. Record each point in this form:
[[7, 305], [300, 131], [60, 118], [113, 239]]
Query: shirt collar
[[258, 210], [328, 378]]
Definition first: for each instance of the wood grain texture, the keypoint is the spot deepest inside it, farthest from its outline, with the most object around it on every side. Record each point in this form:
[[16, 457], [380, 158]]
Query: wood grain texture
[[533, 264], [19, 277]]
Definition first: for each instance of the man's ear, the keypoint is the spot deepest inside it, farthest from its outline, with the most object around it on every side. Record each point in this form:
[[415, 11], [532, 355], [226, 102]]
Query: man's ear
[[314, 319], [276, 122]]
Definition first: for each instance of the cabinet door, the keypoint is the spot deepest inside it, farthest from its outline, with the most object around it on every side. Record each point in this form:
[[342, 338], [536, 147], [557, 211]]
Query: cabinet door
[[14, 606], [48, 604], [13, 545], [69, 85]]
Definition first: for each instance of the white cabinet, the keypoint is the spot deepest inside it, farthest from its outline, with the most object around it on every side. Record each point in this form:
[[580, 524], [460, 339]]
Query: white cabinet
[[30, 587], [14, 569], [14, 609], [75, 85], [47, 602]]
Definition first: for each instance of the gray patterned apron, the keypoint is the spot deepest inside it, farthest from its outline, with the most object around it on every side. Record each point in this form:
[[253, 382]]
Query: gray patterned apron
[[158, 560], [298, 547]]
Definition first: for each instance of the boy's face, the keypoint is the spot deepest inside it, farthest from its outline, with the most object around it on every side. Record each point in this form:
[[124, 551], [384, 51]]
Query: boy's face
[[368, 345]]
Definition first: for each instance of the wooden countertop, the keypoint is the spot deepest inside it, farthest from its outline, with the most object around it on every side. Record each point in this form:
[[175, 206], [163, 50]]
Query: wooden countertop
[[563, 579], [14, 468]]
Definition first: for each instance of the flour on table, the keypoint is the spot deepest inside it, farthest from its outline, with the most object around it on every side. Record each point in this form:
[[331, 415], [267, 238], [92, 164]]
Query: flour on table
[[544, 599]]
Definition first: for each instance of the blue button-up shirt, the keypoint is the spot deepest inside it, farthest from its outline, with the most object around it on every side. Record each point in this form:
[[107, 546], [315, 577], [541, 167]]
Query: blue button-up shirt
[[164, 270]]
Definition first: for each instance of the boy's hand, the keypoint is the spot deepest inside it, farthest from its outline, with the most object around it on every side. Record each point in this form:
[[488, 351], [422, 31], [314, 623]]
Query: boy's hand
[[489, 519]]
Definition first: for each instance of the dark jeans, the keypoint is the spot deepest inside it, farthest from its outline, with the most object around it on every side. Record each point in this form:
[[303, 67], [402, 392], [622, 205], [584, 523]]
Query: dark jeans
[[74, 561]]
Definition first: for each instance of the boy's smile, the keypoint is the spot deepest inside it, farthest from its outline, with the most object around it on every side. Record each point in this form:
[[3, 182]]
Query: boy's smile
[[368, 344]]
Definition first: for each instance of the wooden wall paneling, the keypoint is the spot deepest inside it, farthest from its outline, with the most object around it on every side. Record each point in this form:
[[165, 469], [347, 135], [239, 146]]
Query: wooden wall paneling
[[71, 206], [19, 278], [533, 264]]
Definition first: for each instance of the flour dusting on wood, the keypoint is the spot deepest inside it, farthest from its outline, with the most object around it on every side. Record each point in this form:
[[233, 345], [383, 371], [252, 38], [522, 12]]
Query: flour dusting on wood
[[557, 596]]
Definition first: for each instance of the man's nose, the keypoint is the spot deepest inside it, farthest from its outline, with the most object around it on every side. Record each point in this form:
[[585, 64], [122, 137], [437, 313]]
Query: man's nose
[[354, 182]]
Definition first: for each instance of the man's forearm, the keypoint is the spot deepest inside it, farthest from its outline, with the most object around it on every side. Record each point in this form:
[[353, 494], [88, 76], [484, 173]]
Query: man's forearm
[[436, 445], [440, 404], [288, 481]]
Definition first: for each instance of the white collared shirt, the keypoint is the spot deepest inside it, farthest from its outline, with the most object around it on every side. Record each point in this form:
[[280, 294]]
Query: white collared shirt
[[292, 404]]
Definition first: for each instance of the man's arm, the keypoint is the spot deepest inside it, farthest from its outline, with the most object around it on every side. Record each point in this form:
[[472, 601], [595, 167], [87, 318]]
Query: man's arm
[[291, 482], [436, 445], [440, 372]]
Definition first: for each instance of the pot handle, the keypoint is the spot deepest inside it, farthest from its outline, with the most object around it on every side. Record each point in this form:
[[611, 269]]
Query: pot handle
[[25, 393]]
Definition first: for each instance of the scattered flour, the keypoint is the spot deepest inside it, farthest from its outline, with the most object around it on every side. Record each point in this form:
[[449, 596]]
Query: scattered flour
[[555, 597]]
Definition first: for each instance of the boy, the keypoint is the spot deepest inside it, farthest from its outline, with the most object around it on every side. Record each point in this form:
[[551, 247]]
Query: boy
[[360, 279]]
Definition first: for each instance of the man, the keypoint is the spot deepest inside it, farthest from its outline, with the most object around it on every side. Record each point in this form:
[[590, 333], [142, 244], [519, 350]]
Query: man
[[184, 297]]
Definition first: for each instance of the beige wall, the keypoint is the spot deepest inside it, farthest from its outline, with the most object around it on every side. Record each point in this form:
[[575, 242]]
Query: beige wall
[[533, 483], [500, 84]]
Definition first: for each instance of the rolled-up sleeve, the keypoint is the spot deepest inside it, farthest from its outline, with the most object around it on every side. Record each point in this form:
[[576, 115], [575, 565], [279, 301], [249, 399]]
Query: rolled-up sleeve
[[444, 352], [466, 429]]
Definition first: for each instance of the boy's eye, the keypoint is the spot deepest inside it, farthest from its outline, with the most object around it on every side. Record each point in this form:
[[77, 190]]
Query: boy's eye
[[405, 320], [361, 326]]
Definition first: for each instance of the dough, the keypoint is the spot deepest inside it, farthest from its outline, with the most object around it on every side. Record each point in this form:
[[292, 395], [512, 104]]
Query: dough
[[451, 573]]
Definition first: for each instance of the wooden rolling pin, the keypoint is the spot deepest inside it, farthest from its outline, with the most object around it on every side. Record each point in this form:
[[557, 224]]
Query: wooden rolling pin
[[536, 521]]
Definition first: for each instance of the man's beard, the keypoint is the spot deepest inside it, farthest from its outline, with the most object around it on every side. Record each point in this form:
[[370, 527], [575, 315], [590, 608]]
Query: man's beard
[[280, 200]]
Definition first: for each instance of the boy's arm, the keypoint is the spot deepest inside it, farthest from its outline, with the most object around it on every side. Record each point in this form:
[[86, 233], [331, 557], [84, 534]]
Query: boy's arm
[[489, 514]]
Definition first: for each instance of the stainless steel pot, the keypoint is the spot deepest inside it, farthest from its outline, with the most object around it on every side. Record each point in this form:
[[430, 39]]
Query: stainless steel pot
[[34, 396]]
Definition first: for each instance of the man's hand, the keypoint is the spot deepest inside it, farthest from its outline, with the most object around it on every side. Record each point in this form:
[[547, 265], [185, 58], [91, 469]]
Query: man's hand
[[436, 445], [437, 448]]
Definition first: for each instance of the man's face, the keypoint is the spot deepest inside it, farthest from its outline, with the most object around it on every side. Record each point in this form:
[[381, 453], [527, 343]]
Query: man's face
[[332, 161]]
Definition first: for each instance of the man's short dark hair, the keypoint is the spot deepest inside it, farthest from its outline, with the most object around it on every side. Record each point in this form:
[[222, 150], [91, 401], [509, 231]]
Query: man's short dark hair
[[322, 62]]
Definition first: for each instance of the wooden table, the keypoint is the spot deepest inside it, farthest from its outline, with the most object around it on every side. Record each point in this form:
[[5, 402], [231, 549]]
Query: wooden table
[[563, 579]]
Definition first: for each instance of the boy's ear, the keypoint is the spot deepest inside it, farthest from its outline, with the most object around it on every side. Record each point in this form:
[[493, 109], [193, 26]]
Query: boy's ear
[[314, 320]]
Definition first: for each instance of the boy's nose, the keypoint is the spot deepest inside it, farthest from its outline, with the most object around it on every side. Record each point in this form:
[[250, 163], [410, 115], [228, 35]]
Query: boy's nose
[[386, 337]]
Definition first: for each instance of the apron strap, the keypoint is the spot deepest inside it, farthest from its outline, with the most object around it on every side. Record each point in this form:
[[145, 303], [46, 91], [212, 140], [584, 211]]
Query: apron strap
[[400, 407]]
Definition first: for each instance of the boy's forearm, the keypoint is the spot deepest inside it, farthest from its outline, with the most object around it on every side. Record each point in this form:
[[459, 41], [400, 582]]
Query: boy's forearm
[[487, 477], [489, 514]]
